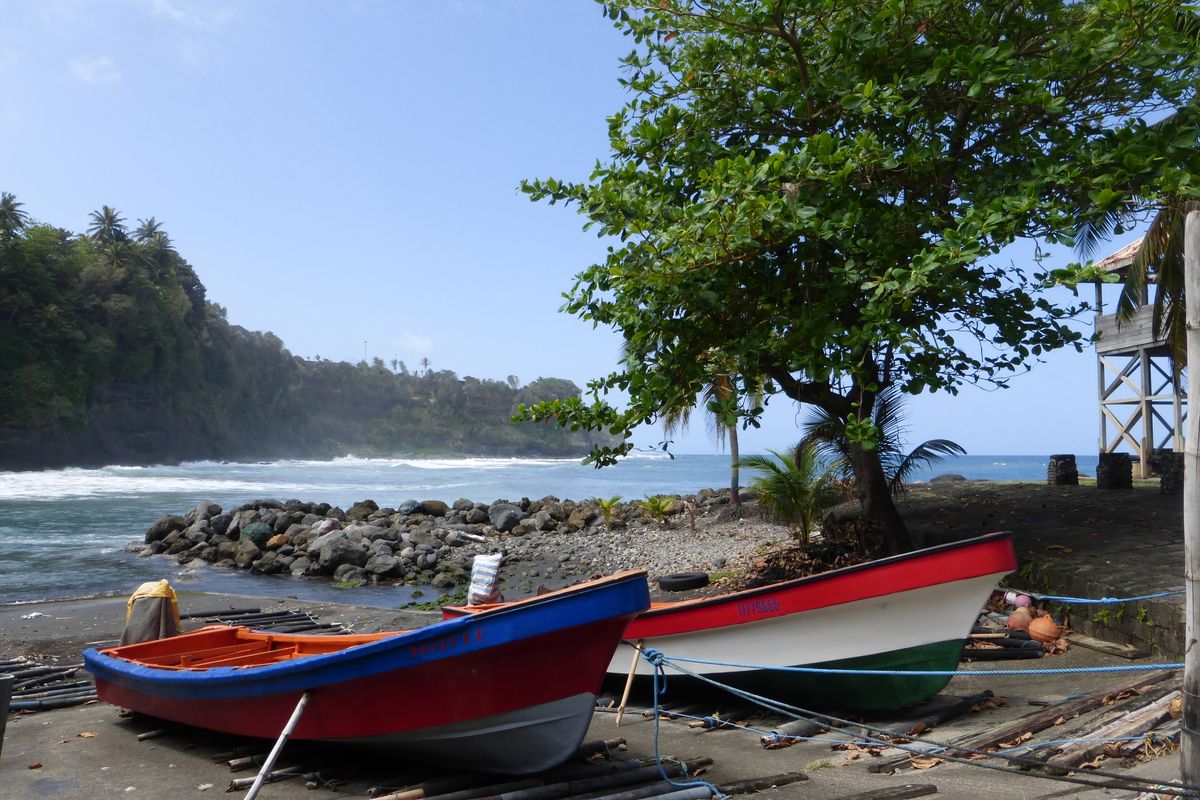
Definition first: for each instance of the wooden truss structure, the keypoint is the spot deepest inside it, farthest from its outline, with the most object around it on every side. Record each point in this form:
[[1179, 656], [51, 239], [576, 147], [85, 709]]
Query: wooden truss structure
[[1143, 399]]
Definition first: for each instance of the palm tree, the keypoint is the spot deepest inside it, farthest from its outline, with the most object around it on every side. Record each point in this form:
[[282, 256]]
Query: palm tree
[[795, 486], [107, 226], [425, 364], [12, 217], [721, 400], [149, 229], [827, 435]]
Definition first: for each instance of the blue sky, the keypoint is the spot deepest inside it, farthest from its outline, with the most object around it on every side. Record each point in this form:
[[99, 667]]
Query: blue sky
[[345, 176]]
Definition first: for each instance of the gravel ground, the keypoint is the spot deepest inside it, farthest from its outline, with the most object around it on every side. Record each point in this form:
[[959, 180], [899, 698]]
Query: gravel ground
[[718, 545]]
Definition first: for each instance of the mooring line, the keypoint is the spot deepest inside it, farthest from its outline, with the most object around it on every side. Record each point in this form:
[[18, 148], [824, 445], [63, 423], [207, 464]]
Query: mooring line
[[937, 749]]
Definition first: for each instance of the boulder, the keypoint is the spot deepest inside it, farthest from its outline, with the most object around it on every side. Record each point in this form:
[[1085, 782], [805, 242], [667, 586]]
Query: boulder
[[348, 573], [247, 553], [202, 510], [277, 541], [505, 516], [257, 532], [383, 566], [476, 516], [220, 523], [463, 504], [316, 543], [408, 507], [300, 566], [443, 581], [582, 516], [434, 508], [340, 551], [166, 524]]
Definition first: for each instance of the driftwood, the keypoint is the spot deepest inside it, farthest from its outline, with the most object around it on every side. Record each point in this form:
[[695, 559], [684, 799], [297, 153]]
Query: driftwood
[[789, 733], [1132, 724], [1112, 648], [1037, 720]]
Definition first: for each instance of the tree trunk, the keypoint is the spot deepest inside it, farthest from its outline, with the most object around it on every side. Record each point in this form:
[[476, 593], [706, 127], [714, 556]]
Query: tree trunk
[[735, 498], [1190, 743], [886, 534]]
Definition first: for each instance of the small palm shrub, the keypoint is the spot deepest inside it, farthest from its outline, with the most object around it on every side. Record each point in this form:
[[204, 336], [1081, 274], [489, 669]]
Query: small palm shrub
[[608, 508], [794, 486], [658, 506]]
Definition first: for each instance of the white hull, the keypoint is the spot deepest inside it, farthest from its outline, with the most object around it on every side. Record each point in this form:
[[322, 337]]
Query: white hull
[[848, 630]]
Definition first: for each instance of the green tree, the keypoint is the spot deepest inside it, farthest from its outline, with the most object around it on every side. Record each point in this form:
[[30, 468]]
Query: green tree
[[12, 214], [826, 434], [819, 190], [108, 226], [795, 486]]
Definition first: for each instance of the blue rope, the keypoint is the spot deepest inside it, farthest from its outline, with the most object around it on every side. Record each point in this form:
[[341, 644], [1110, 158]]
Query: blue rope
[[657, 661], [1085, 600], [661, 661], [930, 672]]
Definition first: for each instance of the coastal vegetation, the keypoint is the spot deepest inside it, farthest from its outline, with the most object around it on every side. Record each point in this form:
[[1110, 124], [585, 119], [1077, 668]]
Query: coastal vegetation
[[820, 192], [112, 352], [795, 486]]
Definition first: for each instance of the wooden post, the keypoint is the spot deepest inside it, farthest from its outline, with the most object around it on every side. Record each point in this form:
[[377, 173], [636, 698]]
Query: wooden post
[[1190, 739], [269, 764], [637, 653]]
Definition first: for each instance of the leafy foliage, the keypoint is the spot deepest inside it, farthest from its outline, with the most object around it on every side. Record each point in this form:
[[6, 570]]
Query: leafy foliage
[[795, 486], [826, 434], [818, 190], [658, 506], [608, 508]]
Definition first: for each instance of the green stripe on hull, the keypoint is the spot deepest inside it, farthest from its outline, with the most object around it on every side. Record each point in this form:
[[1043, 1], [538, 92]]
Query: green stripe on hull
[[812, 690]]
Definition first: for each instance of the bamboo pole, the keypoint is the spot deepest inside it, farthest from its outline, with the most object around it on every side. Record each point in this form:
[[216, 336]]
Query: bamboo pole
[[637, 653], [1190, 741], [278, 748]]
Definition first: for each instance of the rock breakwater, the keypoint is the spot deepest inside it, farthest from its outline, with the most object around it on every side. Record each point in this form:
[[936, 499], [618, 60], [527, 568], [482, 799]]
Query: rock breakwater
[[547, 542]]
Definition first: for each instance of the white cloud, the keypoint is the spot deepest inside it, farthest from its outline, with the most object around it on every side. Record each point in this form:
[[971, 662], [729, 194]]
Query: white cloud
[[193, 15], [100, 69]]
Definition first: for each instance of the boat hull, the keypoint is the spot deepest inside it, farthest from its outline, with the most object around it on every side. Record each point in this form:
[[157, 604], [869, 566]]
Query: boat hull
[[911, 612], [508, 692]]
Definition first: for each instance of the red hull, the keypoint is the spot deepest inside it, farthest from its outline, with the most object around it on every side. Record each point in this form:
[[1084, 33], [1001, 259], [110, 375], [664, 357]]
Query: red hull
[[511, 677]]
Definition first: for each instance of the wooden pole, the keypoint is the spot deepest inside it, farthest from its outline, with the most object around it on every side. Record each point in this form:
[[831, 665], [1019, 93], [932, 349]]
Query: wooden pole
[[637, 653], [269, 764], [1190, 739]]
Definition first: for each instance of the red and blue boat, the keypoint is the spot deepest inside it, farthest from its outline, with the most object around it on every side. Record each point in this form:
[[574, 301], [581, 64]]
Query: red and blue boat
[[511, 690], [909, 613]]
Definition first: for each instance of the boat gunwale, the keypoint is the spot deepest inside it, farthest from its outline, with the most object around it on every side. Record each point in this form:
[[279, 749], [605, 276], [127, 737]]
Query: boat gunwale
[[358, 660], [659, 609]]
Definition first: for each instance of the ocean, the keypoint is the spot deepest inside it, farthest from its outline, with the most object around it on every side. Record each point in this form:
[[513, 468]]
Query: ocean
[[62, 532]]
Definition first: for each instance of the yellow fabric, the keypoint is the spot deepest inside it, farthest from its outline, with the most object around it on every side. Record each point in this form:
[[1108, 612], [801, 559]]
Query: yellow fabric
[[154, 589]]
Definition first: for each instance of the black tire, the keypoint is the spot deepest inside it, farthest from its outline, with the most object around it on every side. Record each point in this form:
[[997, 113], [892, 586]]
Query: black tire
[[682, 581]]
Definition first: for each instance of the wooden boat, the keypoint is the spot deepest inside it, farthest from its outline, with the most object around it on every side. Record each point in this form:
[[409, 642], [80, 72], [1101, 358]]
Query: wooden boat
[[909, 612], [511, 690]]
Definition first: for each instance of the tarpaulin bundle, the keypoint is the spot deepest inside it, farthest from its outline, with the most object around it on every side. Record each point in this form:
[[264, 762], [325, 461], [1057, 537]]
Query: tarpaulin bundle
[[152, 613]]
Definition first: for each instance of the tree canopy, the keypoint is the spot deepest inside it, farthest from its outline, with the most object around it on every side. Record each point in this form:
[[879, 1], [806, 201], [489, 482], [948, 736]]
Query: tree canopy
[[818, 191]]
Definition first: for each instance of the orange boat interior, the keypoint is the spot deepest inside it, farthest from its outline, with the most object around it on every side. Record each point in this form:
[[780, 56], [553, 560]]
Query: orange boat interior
[[224, 646]]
